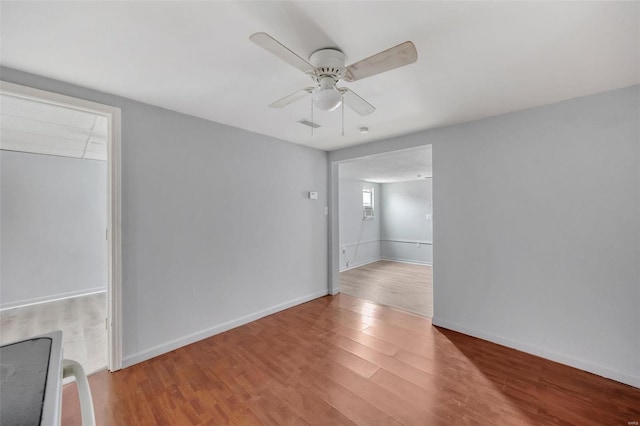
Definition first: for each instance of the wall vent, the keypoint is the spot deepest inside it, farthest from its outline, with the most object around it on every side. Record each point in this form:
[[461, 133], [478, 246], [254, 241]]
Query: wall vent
[[308, 123]]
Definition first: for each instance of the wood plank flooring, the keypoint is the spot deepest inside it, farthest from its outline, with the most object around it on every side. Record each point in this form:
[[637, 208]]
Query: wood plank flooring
[[400, 285], [343, 361], [81, 319]]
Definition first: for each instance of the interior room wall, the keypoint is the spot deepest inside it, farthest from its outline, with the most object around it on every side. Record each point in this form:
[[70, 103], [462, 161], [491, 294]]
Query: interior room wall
[[53, 217], [354, 229], [217, 225], [406, 227], [537, 229]]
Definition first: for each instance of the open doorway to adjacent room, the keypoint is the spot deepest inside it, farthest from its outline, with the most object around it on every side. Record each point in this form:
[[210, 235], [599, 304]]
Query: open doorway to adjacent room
[[56, 202], [385, 229]]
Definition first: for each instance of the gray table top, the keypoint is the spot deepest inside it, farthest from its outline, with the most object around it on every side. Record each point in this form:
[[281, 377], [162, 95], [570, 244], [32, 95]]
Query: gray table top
[[30, 380]]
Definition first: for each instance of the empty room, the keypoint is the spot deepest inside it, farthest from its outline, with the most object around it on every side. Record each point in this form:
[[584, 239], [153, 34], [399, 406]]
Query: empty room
[[386, 229], [53, 218], [235, 137]]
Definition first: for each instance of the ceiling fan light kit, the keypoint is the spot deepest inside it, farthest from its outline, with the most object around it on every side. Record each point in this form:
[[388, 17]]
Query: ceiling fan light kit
[[327, 67], [327, 99]]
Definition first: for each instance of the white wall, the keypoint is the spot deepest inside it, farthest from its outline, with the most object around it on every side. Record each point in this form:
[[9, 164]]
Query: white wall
[[537, 229], [406, 227], [217, 225], [353, 228], [53, 221]]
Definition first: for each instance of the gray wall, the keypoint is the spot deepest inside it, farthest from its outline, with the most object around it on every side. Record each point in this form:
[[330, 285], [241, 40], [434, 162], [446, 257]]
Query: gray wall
[[217, 225], [53, 220], [406, 227], [353, 228], [537, 229], [399, 231]]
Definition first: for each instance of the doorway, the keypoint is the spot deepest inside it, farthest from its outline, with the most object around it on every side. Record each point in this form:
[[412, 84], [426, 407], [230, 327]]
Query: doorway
[[60, 204], [385, 228]]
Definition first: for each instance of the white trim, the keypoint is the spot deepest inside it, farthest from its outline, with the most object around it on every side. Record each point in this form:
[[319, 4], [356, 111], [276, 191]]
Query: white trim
[[114, 233], [333, 245], [388, 259], [51, 298], [410, 262], [204, 334], [534, 350], [361, 243], [427, 243], [360, 264]]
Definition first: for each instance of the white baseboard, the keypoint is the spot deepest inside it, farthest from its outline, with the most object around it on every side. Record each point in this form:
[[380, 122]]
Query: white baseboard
[[360, 264], [51, 298], [411, 262], [389, 259], [534, 350], [204, 334]]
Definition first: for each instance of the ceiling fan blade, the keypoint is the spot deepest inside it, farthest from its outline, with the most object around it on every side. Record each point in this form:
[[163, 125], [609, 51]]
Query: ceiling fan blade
[[395, 57], [355, 102], [281, 103], [269, 43]]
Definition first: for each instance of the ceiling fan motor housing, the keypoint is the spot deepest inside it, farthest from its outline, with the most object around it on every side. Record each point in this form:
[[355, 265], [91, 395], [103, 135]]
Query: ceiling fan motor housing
[[328, 63]]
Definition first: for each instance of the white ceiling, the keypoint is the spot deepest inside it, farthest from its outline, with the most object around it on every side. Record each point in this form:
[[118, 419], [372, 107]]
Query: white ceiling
[[397, 166], [475, 59], [36, 127]]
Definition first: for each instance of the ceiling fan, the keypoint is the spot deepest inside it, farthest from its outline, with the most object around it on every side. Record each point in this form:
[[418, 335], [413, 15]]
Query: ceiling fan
[[327, 67]]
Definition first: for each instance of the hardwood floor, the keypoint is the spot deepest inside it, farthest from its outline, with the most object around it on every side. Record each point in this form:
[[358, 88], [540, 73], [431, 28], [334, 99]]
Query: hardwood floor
[[341, 360], [81, 319], [400, 285]]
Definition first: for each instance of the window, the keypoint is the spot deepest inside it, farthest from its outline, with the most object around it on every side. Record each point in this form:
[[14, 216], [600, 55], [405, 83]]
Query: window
[[367, 198], [367, 203]]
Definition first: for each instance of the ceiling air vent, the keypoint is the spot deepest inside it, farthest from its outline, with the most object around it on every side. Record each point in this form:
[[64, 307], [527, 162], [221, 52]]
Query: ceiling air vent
[[308, 123]]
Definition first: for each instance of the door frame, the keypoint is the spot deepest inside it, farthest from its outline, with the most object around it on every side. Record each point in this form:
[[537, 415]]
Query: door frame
[[114, 203], [333, 170]]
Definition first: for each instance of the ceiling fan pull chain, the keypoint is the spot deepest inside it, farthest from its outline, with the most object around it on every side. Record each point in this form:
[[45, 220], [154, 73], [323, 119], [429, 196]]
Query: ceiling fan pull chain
[[312, 122]]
